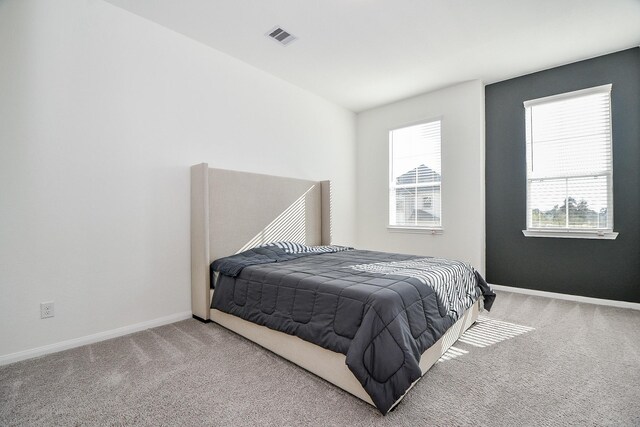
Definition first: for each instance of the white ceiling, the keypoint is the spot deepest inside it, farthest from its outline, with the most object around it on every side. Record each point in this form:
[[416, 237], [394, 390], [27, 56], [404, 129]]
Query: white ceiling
[[364, 53]]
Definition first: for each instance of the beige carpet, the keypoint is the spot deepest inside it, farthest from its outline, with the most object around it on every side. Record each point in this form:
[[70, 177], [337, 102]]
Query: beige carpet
[[579, 365]]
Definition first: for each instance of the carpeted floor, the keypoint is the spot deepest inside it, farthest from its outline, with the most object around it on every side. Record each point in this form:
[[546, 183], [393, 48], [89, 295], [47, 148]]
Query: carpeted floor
[[579, 366]]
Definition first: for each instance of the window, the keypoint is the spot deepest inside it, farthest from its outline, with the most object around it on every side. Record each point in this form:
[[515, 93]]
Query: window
[[569, 165], [414, 177]]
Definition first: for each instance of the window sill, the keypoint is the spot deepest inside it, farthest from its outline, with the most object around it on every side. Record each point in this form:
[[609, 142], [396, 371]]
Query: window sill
[[416, 230], [566, 234]]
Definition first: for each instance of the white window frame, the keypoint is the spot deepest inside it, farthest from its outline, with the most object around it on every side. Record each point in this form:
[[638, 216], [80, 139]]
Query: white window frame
[[571, 232], [420, 229]]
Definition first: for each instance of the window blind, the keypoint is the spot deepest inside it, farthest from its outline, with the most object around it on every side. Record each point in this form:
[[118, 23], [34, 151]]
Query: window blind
[[569, 161], [415, 191]]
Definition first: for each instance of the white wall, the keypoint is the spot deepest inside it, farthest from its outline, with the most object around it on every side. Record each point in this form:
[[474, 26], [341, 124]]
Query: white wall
[[101, 115], [461, 108]]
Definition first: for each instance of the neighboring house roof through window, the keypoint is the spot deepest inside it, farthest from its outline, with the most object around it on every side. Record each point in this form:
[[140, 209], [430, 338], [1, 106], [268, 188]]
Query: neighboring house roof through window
[[424, 174]]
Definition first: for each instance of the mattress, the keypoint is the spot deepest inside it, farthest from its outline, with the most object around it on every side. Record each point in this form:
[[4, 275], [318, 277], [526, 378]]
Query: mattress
[[380, 310]]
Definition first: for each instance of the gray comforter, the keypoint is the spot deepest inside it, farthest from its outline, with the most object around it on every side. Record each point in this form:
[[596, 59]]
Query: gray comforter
[[381, 310]]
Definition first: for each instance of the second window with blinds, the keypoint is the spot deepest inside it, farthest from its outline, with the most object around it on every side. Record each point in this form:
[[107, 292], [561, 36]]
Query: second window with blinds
[[415, 185], [569, 165]]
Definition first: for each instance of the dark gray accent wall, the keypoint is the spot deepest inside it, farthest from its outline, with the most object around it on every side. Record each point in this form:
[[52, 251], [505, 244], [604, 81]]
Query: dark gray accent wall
[[607, 269]]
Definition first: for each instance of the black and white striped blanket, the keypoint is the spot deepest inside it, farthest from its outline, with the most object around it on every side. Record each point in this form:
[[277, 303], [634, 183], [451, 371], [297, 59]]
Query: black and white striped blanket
[[454, 282]]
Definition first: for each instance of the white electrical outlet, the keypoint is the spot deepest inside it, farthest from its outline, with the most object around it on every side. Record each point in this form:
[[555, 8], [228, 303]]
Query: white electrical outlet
[[46, 309]]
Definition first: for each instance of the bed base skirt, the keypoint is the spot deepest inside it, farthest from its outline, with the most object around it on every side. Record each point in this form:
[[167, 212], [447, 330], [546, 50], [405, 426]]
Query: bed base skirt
[[327, 364]]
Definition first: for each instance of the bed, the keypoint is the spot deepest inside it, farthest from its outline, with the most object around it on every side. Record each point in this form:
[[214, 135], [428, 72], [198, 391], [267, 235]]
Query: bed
[[340, 300]]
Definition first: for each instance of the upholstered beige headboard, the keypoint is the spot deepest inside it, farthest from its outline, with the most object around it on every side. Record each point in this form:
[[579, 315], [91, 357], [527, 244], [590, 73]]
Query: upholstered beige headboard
[[233, 211]]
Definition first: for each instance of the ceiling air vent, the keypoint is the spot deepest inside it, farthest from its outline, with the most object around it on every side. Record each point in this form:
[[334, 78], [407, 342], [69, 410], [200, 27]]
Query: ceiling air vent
[[281, 36]]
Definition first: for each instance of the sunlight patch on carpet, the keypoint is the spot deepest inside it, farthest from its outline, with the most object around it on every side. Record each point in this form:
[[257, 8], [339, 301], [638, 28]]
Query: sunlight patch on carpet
[[487, 332], [452, 353], [483, 333]]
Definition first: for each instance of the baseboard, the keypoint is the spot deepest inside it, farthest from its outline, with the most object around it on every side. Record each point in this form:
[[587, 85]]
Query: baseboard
[[576, 298], [90, 339]]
